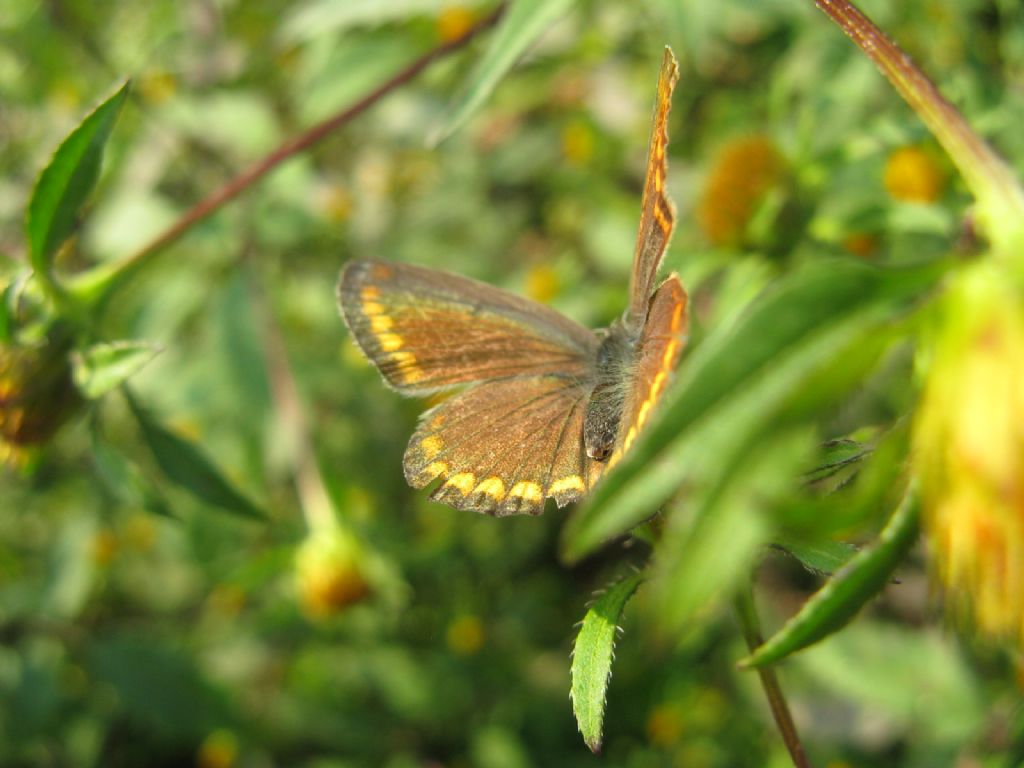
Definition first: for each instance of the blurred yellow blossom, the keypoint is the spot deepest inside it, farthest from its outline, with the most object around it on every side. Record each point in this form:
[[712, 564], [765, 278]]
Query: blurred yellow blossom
[[577, 142], [914, 175], [665, 725], [969, 448], [454, 22], [465, 635], [744, 171], [218, 750], [542, 283], [104, 547]]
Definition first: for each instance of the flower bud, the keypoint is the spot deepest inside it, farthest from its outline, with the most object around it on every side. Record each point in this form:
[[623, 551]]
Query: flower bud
[[969, 449], [37, 394], [330, 571]]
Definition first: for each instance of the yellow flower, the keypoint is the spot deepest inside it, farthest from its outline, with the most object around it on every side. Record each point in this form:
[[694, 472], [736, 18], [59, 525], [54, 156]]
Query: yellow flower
[[454, 23], [542, 283], [743, 173], [330, 572], [37, 394], [577, 142], [465, 635], [969, 448], [914, 175], [218, 750]]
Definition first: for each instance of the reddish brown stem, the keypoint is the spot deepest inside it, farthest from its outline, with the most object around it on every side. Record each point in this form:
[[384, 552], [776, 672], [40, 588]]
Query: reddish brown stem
[[747, 613], [293, 146], [988, 177]]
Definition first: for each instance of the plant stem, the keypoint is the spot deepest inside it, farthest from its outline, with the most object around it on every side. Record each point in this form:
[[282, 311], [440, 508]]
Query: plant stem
[[747, 612], [994, 185], [261, 168]]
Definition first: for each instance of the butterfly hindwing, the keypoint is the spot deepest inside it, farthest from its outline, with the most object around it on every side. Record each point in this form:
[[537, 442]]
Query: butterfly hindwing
[[657, 214], [664, 336], [504, 447], [428, 330]]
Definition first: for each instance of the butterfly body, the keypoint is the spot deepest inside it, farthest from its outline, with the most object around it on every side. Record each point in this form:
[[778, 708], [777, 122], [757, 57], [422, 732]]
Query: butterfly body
[[613, 366], [546, 405]]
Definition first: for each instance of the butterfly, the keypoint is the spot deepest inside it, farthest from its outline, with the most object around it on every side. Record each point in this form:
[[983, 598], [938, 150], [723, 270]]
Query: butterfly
[[547, 406]]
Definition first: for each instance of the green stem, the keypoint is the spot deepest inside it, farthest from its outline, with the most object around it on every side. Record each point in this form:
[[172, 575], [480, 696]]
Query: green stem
[[97, 285], [747, 612], [993, 183]]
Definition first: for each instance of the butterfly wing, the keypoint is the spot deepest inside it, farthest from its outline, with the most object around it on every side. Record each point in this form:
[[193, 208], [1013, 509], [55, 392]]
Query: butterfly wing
[[657, 214], [427, 330], [664, 336], [504, 447], [514, 437]]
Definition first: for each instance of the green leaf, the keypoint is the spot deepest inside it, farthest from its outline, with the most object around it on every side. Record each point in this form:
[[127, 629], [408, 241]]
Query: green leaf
[[66, 182], [7, 314], [592, 658], [804, 342], [106, 366], [839, 455], [914, 679], [825, 556], [159, 688], [831, 607], [186, 465], [863, 497], [524, 22], [123, 478], [711, 537]]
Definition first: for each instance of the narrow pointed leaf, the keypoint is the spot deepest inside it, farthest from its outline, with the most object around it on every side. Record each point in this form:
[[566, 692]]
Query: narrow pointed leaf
[[831, 607], [123, 478], [523, 23], [823, 557], [185, 464], [592, 658], [66, 182], [106, 366], [807, 340]]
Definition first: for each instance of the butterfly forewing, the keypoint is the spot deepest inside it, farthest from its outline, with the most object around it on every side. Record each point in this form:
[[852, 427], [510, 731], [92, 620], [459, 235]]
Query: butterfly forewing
[[428, 330], [504, 447], [657, 214]]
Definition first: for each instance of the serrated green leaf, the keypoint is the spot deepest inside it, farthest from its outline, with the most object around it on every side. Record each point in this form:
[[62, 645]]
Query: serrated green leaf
[[66, 182], [592, 658], [106, 366], [805, 341], [831, 607], [186, 465], [123, 478], [825, 556], [523, 23]]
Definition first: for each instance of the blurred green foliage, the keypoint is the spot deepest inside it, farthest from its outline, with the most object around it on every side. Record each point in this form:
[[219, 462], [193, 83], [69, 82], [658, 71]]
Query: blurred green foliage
[[131, 638]]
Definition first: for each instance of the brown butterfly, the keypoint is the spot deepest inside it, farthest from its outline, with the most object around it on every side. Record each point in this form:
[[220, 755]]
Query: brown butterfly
[[548, 405]]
